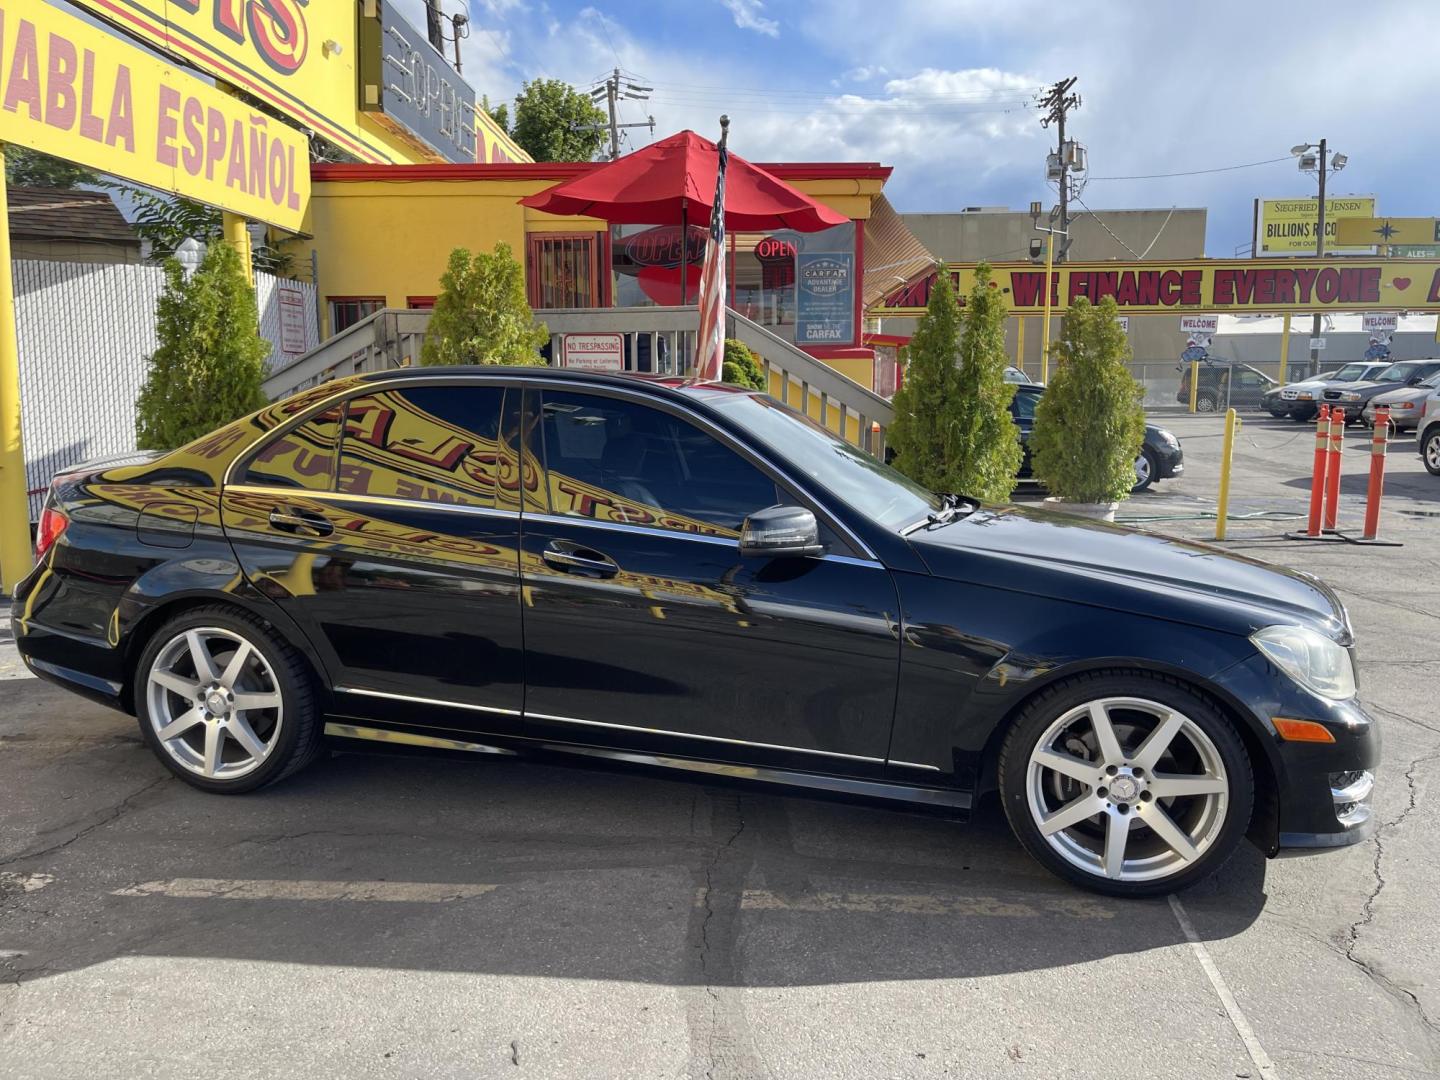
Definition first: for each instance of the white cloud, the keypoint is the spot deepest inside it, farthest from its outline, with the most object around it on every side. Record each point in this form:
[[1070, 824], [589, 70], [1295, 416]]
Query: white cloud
[[750, 15]]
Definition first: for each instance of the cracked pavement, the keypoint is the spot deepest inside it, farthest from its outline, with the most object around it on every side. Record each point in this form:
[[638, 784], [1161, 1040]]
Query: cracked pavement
[[629, 925]]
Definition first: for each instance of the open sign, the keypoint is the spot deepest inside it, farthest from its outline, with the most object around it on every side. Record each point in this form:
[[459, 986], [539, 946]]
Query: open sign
[[773, 248]]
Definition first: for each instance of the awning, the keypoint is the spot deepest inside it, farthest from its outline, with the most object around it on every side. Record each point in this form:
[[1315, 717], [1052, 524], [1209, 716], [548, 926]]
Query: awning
[[892, 254]]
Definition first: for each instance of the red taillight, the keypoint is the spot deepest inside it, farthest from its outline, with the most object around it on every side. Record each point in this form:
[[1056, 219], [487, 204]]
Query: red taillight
[[52, 524]]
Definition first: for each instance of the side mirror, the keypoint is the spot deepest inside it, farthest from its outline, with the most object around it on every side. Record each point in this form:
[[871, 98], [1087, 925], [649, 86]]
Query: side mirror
[[780, 532]]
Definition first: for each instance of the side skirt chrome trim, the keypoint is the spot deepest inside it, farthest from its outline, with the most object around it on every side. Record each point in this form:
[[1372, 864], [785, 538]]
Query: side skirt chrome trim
[[426, 701], [913, 765], [938, 797], [406, 738], [705, 738]]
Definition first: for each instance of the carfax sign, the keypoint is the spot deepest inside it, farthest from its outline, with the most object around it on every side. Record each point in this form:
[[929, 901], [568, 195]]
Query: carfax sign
[[825, 301]]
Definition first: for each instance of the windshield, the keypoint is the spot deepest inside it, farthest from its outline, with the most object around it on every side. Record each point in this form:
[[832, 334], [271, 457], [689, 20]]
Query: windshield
[[1350, 373], [847, 472], [1396, 373]]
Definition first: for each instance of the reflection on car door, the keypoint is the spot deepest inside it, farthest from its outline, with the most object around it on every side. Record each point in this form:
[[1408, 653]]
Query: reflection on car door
[[645, 628], [392, 538]]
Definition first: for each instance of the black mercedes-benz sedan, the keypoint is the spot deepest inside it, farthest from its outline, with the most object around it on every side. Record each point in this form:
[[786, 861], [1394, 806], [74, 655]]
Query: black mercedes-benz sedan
[[690, 576]]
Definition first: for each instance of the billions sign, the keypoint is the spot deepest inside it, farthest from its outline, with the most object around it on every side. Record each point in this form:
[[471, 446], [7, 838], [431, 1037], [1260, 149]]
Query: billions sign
[[1244, 286], [81, 94]]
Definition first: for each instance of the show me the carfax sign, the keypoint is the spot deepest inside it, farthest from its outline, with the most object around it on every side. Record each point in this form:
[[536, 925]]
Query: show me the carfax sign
[[1287, 226], [73, 91]]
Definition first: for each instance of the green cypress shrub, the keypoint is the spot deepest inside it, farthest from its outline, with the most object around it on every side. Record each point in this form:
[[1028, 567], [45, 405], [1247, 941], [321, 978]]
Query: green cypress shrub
[[210, 362], [1089, 424], [481, 315], [952, 429]]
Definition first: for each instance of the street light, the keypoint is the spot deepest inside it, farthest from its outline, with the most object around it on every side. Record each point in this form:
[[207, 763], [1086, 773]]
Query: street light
[[1315, 157], [190, 254]]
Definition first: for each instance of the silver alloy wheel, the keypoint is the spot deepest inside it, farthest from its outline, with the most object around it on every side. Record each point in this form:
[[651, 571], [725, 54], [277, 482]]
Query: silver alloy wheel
[[1204, 404], [214, 703], [1432, 452], [1142, 469], [1148, 797]]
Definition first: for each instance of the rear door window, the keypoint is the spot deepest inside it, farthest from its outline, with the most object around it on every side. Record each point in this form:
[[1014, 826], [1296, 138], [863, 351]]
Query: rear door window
[[303, 457], [427, 443]]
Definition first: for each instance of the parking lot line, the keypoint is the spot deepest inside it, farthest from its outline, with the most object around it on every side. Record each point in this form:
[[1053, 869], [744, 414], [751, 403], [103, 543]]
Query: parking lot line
[[1222, 989], [405, 892]]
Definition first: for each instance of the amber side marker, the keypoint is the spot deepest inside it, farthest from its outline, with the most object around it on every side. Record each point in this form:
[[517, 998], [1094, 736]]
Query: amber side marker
[[1302, 730]]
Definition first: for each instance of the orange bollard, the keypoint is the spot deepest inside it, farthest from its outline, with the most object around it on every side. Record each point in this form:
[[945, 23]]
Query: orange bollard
[[1332, 468], [1317, 481], [1378, 443]]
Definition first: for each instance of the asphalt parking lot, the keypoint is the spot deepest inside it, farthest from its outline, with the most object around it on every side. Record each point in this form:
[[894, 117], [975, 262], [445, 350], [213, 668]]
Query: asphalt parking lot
[[415, 917]]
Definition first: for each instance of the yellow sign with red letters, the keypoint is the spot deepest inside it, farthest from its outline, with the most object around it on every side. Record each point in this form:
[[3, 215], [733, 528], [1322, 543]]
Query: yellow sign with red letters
[[73, 91], [1238, 286]]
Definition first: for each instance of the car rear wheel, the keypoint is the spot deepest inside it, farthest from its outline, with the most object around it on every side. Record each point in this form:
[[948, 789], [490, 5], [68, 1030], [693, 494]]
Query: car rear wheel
[[1205, 403], [1147, 468], [1430, 451], [1129, 785], [224, 703]]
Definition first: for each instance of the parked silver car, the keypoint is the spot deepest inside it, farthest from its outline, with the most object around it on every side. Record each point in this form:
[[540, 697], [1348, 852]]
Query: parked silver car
[[1304, 398], [1428, 432], [1405, 404]]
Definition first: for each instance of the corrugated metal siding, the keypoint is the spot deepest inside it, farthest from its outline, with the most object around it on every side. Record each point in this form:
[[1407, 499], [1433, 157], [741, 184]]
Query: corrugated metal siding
[[86, 331]]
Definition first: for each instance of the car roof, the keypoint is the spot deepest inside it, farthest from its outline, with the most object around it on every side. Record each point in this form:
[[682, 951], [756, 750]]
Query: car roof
[[666, 384]]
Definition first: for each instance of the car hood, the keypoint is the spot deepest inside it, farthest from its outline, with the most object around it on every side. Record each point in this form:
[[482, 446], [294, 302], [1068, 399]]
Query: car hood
[[1053, 554]]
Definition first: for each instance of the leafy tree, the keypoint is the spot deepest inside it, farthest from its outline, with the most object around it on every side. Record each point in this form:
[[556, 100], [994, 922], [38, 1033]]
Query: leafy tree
[[555, 122], [952, 429], [210, 362], [30, 168], [481, 316], [166, 221], [740, 366], [499, 113], [1089, 424]]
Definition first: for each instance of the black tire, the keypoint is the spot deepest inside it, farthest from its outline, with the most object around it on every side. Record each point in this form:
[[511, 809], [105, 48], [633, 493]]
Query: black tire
[[1430, 449], [1278, 413], [1302, 416], [1052, 704], [298, 740], [1154, 472]]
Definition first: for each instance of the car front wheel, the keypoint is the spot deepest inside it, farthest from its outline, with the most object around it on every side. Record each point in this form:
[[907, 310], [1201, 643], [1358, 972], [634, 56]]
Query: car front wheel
[[1430, 451], [1147, 468], [224, 703], [1125, 784]]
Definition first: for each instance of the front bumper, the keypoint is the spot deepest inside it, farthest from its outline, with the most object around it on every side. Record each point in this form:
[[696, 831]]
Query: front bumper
[[1321, 793]]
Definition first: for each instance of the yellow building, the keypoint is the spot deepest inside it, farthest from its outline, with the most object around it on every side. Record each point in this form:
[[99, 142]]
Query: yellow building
[[380, 236]]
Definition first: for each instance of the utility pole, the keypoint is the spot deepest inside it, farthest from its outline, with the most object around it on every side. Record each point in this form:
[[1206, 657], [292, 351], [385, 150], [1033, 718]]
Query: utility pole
[[612, 90], [1057, 104], [1319, 253]]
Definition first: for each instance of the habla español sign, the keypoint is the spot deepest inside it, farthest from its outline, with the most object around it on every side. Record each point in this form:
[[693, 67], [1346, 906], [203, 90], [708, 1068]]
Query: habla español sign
[[75, 92]]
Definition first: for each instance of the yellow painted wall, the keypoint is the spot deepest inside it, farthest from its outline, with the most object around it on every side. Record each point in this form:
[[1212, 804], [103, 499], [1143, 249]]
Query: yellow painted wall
[[392, 239]]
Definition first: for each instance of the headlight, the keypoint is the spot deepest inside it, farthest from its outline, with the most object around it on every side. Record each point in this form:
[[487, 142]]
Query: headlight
[[1310, 658], [1168, 438], [1303, 396], [1349, 397]]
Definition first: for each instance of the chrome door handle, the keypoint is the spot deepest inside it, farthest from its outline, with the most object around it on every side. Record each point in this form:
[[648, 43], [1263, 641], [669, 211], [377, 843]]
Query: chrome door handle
[[595, 563], [313, 523]]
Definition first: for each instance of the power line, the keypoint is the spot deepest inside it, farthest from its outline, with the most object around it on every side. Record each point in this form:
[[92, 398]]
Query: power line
[[1198, 172], [1027, 92]]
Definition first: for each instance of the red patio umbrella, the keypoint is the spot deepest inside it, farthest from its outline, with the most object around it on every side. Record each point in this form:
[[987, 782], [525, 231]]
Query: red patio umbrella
[[672, 182]]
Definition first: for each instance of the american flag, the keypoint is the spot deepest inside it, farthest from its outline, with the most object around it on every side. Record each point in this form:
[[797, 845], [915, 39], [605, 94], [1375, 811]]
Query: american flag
[[710, 344]]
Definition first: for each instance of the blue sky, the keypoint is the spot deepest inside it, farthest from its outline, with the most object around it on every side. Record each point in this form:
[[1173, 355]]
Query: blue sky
[[942, 89]]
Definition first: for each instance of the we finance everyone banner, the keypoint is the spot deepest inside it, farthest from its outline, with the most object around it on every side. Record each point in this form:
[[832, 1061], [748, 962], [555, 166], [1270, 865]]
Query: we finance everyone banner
[[75, 92], [1236, 286]]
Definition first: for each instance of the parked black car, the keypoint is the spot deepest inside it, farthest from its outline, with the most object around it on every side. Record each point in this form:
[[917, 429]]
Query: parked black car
[[1225, 384], [692, 577], [1160, 456], [1354, 397]]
